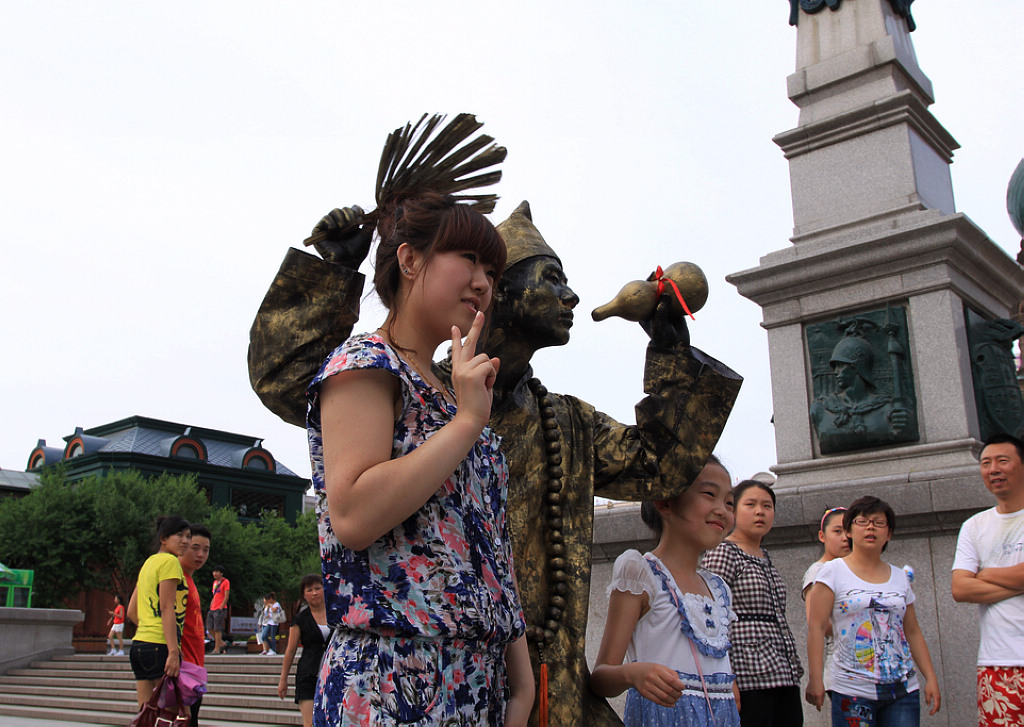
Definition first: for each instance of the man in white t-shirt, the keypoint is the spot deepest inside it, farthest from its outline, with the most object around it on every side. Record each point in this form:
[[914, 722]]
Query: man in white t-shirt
[[989, 570]]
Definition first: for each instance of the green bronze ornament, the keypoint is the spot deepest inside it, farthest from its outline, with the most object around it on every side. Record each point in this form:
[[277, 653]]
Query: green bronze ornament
[[900, 7], [996, 389], [862, 382], [1015, 204]]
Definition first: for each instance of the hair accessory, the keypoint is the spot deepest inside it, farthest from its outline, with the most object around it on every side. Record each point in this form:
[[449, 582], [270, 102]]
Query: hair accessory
[[413, 162], [827, 513]]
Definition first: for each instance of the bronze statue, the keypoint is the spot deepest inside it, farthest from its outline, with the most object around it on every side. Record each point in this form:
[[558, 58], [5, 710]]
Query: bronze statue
[[560, 450]]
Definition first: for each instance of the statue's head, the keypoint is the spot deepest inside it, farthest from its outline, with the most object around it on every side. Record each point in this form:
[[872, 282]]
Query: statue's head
[[857, 354], [533, 299]]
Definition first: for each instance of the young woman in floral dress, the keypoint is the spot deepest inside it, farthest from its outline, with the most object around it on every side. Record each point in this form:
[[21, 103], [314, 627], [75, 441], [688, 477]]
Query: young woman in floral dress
[[411, 487]]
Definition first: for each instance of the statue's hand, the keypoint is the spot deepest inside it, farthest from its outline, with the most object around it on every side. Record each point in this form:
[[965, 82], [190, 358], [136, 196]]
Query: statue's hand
[[347, 241], [899, 417], [667, 326]]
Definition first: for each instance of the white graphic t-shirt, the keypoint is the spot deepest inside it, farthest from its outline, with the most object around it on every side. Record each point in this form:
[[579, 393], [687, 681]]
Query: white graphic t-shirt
[[867, 628]]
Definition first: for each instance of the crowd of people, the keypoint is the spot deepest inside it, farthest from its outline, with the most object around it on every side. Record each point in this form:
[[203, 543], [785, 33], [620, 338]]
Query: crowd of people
[[696, 630], [709, 586]]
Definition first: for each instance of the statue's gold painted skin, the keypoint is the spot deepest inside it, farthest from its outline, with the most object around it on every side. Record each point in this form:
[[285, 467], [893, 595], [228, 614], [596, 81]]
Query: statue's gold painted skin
[[689, 397]]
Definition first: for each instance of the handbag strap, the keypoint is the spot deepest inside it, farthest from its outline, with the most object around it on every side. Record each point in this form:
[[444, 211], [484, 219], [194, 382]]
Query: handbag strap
[[704, 685]]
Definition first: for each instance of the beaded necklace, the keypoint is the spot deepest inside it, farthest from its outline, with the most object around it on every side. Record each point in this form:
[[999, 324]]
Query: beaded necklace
[[558, 590], [544, 635]]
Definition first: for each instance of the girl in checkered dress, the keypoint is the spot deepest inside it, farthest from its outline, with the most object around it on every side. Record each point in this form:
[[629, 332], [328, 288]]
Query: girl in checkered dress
[[764, 651], [669, 620]]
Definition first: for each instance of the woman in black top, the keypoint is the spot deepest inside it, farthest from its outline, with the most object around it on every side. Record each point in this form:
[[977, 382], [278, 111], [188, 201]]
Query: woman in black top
[[309, 627]]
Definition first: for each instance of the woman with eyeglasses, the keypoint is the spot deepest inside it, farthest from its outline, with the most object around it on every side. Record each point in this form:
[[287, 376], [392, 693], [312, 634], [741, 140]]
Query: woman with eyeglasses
[[879, 647]]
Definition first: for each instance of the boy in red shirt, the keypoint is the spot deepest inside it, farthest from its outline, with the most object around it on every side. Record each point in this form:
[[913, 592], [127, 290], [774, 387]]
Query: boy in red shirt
[[193, 637], [218, 609]]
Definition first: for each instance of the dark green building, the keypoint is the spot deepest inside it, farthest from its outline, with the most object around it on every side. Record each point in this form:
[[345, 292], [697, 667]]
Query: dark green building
[[234, 469]]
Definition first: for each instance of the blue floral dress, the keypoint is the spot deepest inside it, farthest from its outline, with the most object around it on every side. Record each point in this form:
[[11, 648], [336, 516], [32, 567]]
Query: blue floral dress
[[422, 617]]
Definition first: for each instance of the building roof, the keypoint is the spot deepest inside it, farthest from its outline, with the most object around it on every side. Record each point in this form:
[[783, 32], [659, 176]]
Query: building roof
[[18, 481], [156, 437]]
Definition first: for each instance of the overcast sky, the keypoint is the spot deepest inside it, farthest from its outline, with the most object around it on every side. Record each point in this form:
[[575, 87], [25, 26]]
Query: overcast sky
[[157, 159]]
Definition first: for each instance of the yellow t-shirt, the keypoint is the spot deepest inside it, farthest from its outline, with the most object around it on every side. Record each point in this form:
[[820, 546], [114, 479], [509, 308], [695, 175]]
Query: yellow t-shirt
[[159, 567]]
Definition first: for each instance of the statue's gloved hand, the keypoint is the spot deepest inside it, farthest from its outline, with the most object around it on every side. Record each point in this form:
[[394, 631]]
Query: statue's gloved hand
[[667, 325], [899, 417], [347, 241]]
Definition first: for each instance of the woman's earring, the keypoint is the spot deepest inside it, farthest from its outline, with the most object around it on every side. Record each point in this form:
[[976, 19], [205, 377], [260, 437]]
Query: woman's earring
[[406, 271]]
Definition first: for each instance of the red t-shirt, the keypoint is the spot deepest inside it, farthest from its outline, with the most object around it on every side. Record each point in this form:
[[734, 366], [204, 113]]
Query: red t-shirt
[[118, 614], [193, 641], [220, 594]]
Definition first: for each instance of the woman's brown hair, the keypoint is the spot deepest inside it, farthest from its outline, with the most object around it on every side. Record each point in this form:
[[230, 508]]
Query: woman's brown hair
[[430, 223]]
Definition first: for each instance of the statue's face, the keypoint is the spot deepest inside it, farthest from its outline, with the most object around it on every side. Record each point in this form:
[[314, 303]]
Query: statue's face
[[536, 302], [845, 373]]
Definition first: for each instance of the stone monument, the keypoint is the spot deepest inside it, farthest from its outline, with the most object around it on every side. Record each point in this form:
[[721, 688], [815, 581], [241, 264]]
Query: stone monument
[[872, 314]]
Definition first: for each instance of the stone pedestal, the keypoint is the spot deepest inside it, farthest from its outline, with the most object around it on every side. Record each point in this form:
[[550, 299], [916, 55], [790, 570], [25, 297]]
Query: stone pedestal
[[875, 229], [874, 226]]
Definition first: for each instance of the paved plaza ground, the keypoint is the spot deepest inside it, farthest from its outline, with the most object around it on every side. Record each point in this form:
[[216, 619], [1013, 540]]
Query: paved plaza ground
[[25, 722]]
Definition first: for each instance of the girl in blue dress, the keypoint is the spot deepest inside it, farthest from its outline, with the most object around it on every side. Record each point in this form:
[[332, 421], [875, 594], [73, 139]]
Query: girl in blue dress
[[417, 563], [666, 638]]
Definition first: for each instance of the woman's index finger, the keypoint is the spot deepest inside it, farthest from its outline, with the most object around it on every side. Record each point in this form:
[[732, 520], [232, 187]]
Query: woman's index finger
[[473, 337]]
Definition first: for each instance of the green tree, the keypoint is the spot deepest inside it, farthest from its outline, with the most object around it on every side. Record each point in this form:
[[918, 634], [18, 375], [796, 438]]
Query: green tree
[[97, 533], [290, 553], [91, 533]]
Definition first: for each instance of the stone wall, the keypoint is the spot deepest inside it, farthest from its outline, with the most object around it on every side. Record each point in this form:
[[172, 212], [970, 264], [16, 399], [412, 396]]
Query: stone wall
[[34, 634]]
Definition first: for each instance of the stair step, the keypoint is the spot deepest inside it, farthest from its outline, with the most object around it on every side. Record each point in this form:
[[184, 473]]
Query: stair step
[[74, 716], [92, 718], [95, 689], [237, 684]]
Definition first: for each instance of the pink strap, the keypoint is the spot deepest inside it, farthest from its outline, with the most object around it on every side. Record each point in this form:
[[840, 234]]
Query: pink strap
[[700, 671]]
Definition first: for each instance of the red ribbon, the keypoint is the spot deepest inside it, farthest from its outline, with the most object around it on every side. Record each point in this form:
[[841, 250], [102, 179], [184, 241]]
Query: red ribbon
[[659, 275]]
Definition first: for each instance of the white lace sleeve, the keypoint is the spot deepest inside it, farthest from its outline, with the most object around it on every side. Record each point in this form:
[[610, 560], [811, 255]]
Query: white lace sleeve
[[631, 574]]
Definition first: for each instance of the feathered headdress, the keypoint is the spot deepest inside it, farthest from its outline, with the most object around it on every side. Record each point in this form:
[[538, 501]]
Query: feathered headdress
[[414, 162]]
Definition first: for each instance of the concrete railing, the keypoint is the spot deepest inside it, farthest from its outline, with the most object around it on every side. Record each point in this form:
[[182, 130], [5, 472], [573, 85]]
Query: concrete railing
[[35, 634]]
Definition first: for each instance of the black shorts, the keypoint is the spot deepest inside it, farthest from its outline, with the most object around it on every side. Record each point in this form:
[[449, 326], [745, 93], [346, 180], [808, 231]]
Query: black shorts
[[305, 686], [148, 660]]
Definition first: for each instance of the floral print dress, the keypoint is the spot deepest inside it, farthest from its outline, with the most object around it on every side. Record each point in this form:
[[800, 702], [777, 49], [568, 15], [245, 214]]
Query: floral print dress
[[422, 617]]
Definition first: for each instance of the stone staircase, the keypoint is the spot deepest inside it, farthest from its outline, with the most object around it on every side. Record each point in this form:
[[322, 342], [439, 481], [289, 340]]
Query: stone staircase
[[100, 690]]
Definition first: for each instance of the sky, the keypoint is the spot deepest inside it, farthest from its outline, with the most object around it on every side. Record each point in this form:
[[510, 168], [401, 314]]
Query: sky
[[157, 160]]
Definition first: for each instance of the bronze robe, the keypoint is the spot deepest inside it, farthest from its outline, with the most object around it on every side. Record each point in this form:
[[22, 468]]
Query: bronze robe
[[689, 397]]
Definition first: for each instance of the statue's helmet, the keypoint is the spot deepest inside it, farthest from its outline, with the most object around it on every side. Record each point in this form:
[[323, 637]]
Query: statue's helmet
[[857, 352], [522, 238]]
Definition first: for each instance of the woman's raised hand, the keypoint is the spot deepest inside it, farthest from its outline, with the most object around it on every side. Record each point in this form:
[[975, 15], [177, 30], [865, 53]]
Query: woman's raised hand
[[473, 374]]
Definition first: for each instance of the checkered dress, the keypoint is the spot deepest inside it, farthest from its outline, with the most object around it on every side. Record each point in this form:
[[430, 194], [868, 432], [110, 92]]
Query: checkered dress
[[763, 651]]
